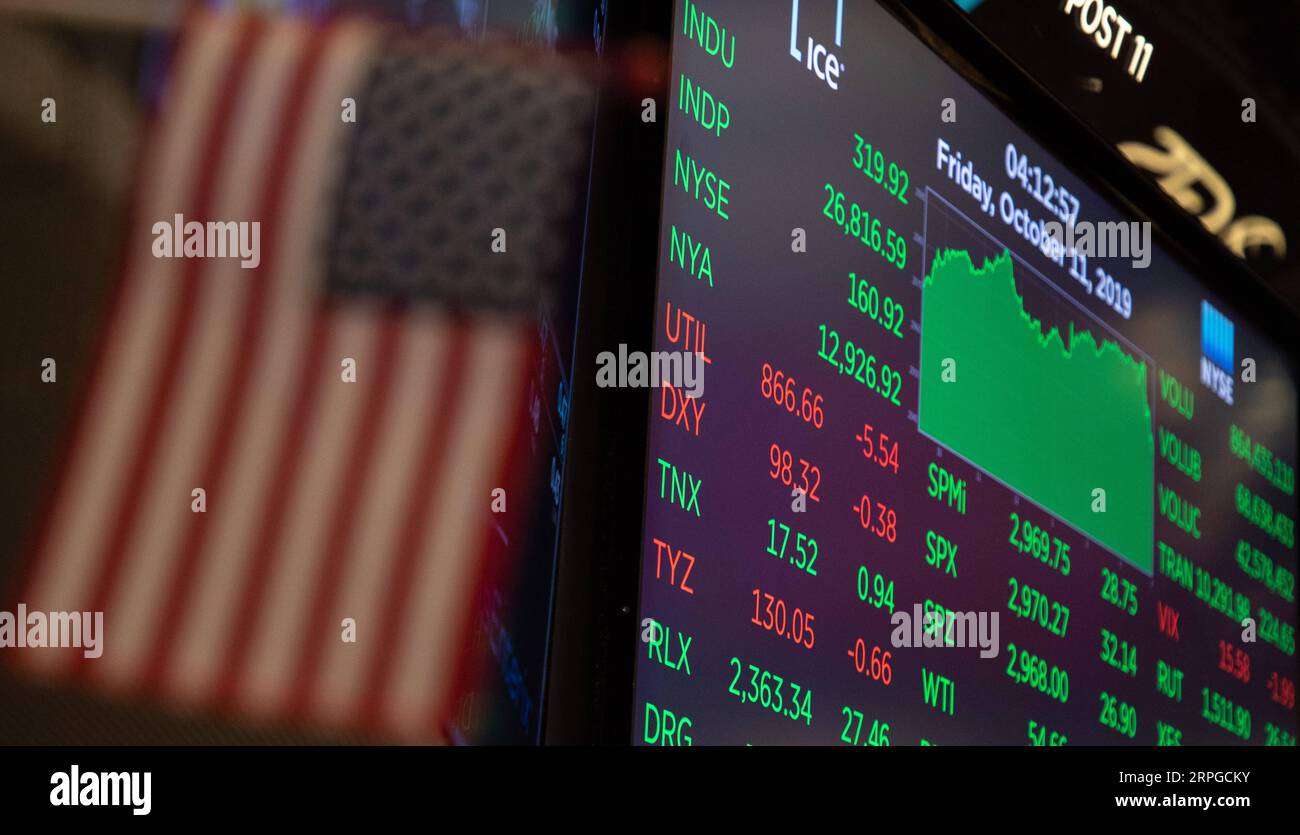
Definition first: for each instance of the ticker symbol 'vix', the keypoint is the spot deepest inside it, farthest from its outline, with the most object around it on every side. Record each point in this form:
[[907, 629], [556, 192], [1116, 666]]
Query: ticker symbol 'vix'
[[1167, 618]]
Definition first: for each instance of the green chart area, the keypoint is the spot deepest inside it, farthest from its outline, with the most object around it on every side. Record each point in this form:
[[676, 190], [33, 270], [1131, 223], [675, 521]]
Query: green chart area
[[1053, 416]]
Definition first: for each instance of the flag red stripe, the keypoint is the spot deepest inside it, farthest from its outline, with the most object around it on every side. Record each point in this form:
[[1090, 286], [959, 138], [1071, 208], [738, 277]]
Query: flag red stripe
[[238, 374], [414, 522], [269, 528], [356, 472], [146, 446]]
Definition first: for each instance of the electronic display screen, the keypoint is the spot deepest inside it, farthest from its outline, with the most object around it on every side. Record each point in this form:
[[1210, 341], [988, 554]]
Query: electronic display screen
[[954, 475]]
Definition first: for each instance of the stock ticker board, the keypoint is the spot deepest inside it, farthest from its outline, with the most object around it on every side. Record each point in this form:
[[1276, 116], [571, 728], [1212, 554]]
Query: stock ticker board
[[948, 480]]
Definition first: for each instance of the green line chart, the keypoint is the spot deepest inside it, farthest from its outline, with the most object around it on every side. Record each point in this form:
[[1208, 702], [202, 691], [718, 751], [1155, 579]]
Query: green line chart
[[1051, 410]]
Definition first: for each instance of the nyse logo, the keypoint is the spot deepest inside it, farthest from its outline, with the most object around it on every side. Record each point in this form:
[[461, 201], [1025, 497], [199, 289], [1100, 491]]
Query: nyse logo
[[815, 57], [1217, 358]]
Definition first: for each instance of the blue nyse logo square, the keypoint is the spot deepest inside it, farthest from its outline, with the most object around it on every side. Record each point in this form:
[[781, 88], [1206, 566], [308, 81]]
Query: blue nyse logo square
[[1216, 337], [1217, 352]]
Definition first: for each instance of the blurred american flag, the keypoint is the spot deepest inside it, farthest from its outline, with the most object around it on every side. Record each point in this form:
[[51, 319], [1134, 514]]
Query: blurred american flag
[[325, 499]]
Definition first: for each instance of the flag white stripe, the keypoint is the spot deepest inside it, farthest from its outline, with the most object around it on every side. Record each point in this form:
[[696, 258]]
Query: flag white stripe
[[152, 554], [275, 647], [68, 565], [298, 263], [441, 591], [368, 575]]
